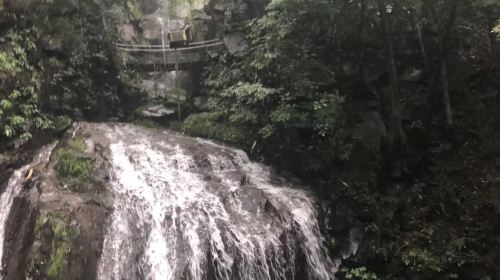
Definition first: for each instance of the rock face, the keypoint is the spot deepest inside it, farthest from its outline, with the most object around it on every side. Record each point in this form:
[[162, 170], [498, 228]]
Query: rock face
[[54, 227], [148, 23]]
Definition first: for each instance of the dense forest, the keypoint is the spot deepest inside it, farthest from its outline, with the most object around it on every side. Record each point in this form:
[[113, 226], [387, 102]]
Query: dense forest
[[388, 108]]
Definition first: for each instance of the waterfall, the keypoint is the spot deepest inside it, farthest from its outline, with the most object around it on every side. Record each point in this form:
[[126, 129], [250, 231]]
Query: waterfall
[[13, 189], [163, 41], [191, 209], [187, 208]]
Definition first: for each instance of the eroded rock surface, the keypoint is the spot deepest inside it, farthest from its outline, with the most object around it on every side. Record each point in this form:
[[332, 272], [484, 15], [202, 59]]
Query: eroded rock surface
[[55, 225]]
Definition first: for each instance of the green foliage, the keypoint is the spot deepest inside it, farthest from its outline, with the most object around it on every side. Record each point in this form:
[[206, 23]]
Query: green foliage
[[86, 79], [422, 260], [72, 58], [314, 92], [56, 264], [359, 273], [19, 108], [282, 92], [58, 259], [77, 144], [8, 64], [70, 165], [208, 125], [134, 11]]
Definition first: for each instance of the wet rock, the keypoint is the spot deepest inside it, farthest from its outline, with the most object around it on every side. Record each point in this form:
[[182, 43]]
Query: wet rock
[[152, 26], [219, 8], [236, 44], [205, 26], [56, 225], [156, 111], [18, 238]]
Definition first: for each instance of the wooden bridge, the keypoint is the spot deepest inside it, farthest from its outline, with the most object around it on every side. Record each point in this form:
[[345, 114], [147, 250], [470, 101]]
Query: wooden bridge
[[162, 56]]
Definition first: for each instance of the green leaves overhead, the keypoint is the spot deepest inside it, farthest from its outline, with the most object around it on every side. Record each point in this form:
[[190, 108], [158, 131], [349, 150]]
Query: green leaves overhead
[[60, 59], [19, 110]]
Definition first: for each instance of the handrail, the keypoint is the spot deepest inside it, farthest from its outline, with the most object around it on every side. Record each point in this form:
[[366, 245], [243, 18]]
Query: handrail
[[169, 49], [162, 46]]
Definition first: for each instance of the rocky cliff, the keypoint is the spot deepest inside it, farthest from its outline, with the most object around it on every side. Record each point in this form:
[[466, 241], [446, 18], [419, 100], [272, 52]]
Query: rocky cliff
[[147, 23], [55, 226]]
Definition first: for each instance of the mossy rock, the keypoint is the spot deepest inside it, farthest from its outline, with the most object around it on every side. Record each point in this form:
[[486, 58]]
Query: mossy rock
[[62, 123], [134, 11], [77, 144], [49, 256], [72, 163]]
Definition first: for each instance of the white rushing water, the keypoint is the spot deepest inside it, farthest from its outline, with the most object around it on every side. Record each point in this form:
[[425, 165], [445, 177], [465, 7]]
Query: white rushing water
[[187, 208], [14, 188]]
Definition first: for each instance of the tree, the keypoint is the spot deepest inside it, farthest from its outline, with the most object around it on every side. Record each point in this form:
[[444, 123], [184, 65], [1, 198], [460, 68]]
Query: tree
[[19, 107], [444, 28]]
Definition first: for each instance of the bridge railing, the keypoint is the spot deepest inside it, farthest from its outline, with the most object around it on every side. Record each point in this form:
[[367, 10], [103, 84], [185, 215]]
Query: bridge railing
[[166, 48], [164, 55]]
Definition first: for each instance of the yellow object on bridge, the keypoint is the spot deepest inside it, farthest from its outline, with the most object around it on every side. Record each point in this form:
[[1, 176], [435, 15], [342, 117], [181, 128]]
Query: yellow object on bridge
[[180, 38]]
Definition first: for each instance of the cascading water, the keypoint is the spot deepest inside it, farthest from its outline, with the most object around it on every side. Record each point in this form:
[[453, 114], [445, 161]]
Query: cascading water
[[187, 208], [163, 41], [13, 189]]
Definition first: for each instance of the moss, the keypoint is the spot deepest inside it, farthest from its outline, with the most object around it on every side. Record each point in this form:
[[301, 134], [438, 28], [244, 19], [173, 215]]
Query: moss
[[134, 11], [69, 165], [57, 261], [41, 220], [60, 247], [48, 258], [60, 230], [77, 144]]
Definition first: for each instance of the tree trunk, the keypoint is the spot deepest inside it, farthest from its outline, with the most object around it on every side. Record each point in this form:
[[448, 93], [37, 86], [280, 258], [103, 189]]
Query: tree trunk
[[361, 52], [445, 29], [391, 104], [392, 98], [445, 50], [422, 45], [446, 93]]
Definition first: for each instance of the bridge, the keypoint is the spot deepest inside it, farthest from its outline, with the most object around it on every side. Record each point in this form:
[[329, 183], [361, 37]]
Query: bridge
[[162, 56]]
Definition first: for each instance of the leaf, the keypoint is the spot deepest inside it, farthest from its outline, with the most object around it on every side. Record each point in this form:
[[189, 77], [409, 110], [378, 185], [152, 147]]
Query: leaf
[[5, 104]]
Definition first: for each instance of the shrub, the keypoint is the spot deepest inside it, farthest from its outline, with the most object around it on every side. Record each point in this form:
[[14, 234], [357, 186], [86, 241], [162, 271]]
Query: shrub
[[70, 165], [359, 273], [207, 125], [421, 260]]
